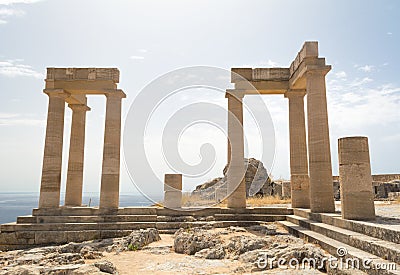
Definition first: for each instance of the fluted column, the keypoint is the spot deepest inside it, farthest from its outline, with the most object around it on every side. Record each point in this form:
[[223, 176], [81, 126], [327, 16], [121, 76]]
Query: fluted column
[[52, 158], [236, 169], [298, 150], [73, 194], [109, 193], [320, 167]]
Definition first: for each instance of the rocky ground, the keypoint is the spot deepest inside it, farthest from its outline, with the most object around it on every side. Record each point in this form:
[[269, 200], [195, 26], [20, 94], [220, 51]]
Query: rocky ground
[[203, 250]]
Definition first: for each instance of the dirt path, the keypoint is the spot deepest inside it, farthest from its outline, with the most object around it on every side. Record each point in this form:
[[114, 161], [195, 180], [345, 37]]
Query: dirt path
[[159, 259]]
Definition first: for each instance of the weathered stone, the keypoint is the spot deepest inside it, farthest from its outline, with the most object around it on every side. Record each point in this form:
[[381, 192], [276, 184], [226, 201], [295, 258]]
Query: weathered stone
[[22, 270], [88, 269], [217, 252], [240, 244], [138, 239], [106, 266], [355, 179], [190, 241], [88, 252], [256, 179]]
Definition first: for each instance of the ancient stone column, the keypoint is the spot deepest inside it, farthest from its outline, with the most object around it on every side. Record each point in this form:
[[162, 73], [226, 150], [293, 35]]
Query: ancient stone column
[[109, 193], [299, 180], [73, 194], [319, 154], [52, 159], [355, 179], [236, 170], [173, 190]]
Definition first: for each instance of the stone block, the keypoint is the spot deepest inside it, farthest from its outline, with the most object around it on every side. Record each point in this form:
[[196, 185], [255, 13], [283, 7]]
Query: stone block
[[106, 234], [173, 199], [241, 74], [270, 74], [8, 238], [137, 211], [286, 189], [50, 237], [26, 219], [83, 74], [355, 179], [84, 235], [173, 182]]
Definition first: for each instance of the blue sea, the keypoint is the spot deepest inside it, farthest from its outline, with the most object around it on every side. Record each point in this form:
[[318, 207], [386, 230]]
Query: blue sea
[[13, 205]]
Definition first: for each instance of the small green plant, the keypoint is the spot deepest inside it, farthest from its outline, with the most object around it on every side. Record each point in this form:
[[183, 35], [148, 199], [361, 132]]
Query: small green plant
[[133, 247]]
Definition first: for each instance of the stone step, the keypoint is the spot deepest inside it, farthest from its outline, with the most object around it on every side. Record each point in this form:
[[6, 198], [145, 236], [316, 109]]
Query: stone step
[[203, 212], [94, 211], [26, 219], [88, 219], [17, 236], [332, 246], [147, 218], [186, 211], [11, 227], [14, 227], [383, 230], [249, 217], [384, 249]]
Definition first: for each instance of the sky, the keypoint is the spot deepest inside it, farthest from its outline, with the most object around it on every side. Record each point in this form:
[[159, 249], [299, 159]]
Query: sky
[[146, 39]]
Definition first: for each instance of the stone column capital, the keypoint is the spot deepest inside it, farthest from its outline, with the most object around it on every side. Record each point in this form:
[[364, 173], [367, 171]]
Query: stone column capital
[[317, 71], [238, 94], [79, 107], [57, 93], [295, 93], [115, 94]]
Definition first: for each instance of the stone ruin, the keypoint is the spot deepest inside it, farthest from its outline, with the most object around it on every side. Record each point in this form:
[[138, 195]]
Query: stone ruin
[[312, 215], [258, 183]]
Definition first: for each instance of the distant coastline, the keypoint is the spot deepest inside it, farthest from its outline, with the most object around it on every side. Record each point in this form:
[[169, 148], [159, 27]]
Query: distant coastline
[[14, 204]]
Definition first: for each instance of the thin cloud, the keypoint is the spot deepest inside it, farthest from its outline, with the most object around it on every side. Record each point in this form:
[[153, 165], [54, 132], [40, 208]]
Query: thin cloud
[[8, 119], [5, 12], [341, 74], [142, 50], [268, 64], [12, 68], [12, 2], [359, 105], [136, 57], [366, 68]]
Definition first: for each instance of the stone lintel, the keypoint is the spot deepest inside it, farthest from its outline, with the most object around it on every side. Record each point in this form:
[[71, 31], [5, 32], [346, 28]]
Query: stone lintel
[[91, 74], [263, 86], [82, 86], [259, 74]]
